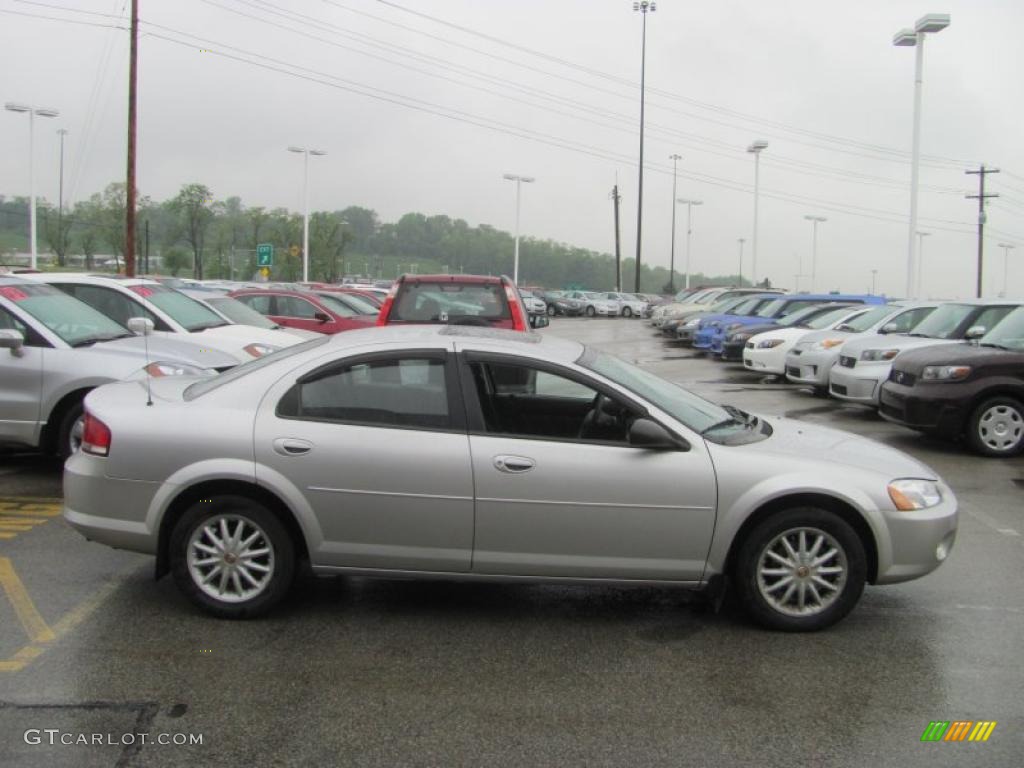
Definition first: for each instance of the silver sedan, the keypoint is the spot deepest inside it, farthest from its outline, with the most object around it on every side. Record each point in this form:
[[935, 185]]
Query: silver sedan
[[470, 453]]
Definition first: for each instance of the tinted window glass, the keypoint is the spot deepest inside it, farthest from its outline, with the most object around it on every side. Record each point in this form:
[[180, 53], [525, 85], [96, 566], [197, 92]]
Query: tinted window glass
[[527, 402], [867, 319], [408, 392], [338, 305], [991, 317], [72, 320], [446, 302], [1009, 333], [238, 312], [188, 313], [907, 321], [827, 319], [941, 323], [292, 306], [258, 302]]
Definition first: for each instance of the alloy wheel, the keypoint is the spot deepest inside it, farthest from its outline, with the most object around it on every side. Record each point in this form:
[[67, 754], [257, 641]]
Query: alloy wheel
[[230, 558], [1001, 428], [802, 571]]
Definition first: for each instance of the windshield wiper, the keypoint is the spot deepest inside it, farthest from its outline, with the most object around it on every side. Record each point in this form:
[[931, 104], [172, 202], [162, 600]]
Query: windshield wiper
[[993, 344], [723, 423], [198, 328], [88, 342], [845, 327]]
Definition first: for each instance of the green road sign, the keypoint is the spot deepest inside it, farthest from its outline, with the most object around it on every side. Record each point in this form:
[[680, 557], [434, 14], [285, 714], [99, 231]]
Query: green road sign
[[265, 255]]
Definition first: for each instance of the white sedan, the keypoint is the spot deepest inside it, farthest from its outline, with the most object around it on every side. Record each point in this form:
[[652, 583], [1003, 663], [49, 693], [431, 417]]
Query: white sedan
[[766, 352]]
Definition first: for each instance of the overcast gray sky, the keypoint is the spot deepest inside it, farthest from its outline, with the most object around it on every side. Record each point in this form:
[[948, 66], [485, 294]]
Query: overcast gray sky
[[422, 105]]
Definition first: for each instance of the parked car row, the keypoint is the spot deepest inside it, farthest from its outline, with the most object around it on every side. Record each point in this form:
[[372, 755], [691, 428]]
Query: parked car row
[[953, 369]]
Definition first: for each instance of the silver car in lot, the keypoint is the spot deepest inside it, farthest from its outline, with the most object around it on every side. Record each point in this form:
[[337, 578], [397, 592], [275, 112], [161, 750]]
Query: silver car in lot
[[864, 364], [595, 304], [630, 305], [810, 361], [54, 350], [473, 453]]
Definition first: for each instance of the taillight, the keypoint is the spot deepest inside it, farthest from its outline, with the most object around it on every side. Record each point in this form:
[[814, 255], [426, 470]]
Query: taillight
[[95, 436], [385, 310], [516, 310]]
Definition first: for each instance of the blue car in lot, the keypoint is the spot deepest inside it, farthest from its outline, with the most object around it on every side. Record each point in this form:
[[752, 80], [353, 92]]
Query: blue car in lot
[[748, 305], [731, 332]]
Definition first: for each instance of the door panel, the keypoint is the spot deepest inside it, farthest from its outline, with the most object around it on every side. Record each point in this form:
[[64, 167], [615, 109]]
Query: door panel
[[594, 511]]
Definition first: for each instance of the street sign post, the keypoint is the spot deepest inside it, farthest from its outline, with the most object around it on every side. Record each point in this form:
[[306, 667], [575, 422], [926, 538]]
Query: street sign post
[[265, 255]]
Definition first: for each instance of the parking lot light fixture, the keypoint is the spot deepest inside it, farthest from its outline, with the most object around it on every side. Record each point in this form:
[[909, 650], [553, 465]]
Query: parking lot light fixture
[[519, 180], [689, 231], [1007, 247], [927, 24], [741, 241], [305, 203], [755, 149], [815, 220], [920, 261], [32, 112]]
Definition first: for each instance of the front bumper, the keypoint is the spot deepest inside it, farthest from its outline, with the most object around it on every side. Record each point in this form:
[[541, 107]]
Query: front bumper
[[915, 539], [935, 408], [810, 367], [859, 384], [605, 311], [730, 351], [108, 510], [766, 360]]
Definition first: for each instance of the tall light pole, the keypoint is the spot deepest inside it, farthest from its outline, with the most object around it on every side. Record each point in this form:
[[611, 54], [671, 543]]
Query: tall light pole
[[519, 180], [874, 274], [815, 220], [672, 257], [756, 149], [929, 23], [32, 112], [920, 261], [741, 241], [305, 204], [62, 132], [1007, 247], [643, 7], [689, 229]]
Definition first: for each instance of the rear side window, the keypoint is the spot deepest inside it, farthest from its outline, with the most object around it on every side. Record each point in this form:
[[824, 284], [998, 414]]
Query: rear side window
[[449, 303], [292, 306], [113, 304], [259, 302], [403, 392]]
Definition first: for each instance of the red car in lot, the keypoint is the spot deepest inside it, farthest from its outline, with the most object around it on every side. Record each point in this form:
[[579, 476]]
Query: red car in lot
[[458, 300], [309, 310]]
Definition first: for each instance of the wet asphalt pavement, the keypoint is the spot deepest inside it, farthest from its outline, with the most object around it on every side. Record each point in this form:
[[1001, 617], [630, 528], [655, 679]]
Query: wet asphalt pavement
[[361, 672]]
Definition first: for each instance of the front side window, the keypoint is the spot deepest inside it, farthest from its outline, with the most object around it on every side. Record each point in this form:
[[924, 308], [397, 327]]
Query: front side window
[[260, 302], [522, 401], [943, 322], [905, 322], [991, 317], [1009, 334], [9, 322], [393, 392], [293, 306]]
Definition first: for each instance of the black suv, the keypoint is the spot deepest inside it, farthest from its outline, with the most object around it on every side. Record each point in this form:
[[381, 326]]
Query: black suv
[[968, 390]]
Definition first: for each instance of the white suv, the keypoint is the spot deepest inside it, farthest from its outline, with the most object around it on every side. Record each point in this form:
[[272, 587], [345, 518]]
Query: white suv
[[172, 313]]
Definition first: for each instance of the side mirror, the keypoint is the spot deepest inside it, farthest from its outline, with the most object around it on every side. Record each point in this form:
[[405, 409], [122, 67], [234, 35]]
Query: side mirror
[[975, 332], [889, 328], [645, 433], [539, 321], [140, 326], [12, 340], [322, 317]]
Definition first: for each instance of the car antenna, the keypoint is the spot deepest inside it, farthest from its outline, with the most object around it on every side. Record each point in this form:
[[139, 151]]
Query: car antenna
[[135, 324]]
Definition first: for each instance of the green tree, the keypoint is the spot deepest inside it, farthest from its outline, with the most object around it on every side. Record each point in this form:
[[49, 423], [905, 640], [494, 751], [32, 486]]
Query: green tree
[[194, 206], [175, 259]]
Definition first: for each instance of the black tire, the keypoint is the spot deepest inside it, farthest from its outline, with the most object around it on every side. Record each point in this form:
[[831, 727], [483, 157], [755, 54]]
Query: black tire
[[627, 312], [66, 442], [996, 427], [834, 604], [591, 312], [273, 536], [551, 310]]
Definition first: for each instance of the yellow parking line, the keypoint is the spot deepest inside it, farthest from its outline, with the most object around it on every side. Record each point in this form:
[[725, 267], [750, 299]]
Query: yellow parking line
[[30, 500], [20, 659], [6, 535], [28, 513], [6, 517], [30, 619]]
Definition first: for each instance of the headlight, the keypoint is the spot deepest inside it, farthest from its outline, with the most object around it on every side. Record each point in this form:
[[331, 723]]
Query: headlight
[[733, 326], [259, 350], [694, 322], [769, 343], [875, 355], [945, 372], [829, 343], [909, 495], [162, 368]]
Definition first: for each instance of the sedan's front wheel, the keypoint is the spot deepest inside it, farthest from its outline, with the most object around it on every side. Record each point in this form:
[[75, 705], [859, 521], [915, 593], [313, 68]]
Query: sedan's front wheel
[[232, 556], [627, 312], [551, 310], [801, 570], [591, 311]]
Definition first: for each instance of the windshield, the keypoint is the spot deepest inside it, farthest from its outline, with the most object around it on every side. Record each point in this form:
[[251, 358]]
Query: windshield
[[1009, 333], [797, 315], [769, 309], [186, 312], [867, 320], [943, 322], [695, 412], [75, 322], [237, 312], [827, 319], [352, 303]]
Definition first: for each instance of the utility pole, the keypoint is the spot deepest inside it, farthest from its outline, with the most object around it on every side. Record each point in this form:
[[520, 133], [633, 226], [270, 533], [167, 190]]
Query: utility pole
[[147, 248], [741, 241], [672, 259], [618, 251], [62, 132], [129, 211], [981, 197], [874, 274]]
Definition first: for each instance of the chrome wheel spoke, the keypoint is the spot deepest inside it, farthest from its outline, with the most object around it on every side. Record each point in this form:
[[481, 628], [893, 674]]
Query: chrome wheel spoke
[[230, 558], [206, 548], [824, 558], [254, 553], [779, 584], [258, 567], [779, 558], [801, 571], [206, 562], [209, 576]]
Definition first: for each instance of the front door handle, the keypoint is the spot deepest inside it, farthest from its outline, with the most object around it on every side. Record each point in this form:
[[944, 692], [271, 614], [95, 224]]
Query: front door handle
[[291, 446], [514, 465]]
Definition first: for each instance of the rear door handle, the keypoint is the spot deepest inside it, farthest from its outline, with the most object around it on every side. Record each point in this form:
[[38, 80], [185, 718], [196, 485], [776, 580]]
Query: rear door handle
[[291, 446], [514, 465]]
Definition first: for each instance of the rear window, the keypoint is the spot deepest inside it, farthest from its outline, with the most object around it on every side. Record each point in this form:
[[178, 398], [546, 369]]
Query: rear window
[[449, 303], [201, 388]]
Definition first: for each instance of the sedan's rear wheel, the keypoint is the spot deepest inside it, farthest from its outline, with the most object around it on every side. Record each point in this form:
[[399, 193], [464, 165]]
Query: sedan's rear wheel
[[551, 310], [801, 570], [996, 428], [232, 556], [627, 312], [591, 311]]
